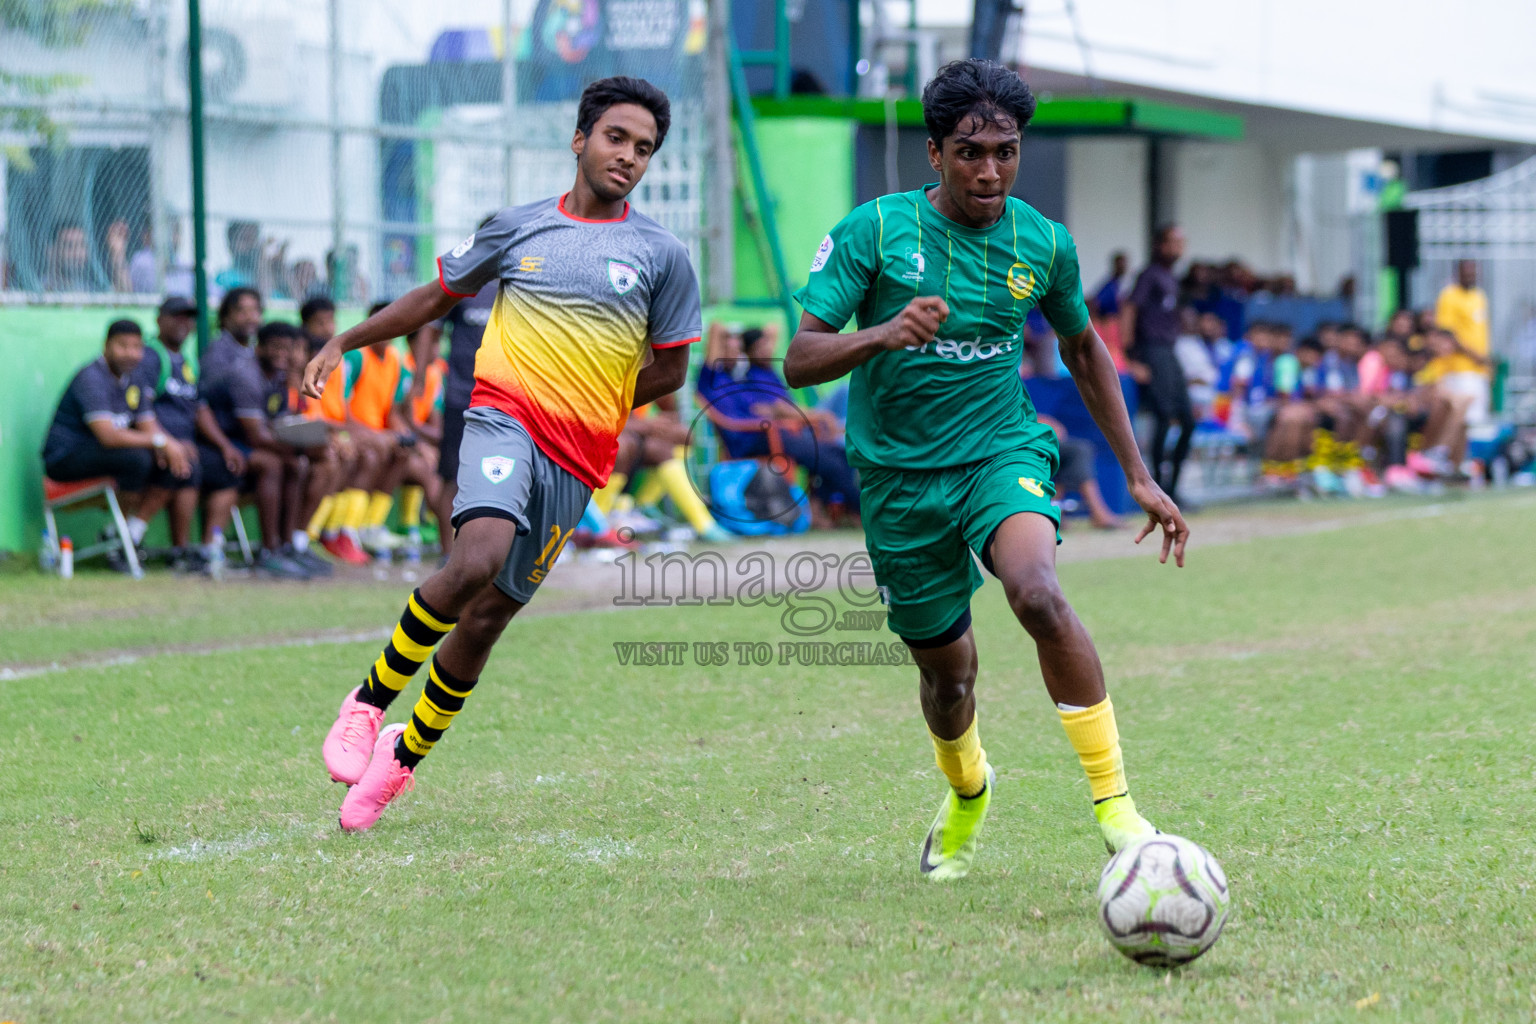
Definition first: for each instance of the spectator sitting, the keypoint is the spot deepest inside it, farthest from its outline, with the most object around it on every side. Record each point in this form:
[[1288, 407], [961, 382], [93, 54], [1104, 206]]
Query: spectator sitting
[[244, 240], [238, 392], [1400, 328], [746, 399], [1260, 374], [105, 426], [1445, 449], [339, 516], [168, 374], [1199, 367], [1462, 310], [69, 262], [1213, 332], [141, 265], [1075, 467], [1104, 307], [656, 438], [377, 388]]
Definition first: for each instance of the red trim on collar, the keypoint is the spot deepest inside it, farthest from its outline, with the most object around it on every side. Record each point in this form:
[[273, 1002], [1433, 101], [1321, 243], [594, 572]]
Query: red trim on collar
[[587, 220]]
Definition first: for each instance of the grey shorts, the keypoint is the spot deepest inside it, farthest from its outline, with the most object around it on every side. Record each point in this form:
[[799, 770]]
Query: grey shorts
[[503, 474]]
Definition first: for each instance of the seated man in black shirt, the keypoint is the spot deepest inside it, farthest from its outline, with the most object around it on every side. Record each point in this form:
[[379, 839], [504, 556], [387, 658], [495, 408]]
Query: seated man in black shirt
[[166, 372], [242, 378], [105, 426]]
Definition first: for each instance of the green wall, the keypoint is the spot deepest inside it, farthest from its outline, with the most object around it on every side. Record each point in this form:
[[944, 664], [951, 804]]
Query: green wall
[[43, 346], [808, 163]]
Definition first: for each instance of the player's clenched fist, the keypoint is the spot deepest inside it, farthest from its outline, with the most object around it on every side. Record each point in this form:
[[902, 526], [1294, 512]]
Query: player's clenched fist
[[917, 323], [320, 369]]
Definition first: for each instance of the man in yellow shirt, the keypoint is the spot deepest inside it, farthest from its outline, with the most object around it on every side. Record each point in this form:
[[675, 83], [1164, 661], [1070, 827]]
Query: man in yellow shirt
[[1462, 309]]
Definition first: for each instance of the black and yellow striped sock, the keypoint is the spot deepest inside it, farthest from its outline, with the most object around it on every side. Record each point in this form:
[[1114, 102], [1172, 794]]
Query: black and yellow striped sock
[[441, 699], [419, 631]]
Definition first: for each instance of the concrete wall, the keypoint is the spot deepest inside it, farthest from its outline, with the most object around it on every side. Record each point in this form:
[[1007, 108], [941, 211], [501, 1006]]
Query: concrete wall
[[1106, 200], [1462, 68], [1232, 201]]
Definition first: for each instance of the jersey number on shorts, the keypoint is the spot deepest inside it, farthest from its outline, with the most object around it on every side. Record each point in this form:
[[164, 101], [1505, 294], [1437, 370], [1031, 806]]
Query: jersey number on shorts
[[547, 557]]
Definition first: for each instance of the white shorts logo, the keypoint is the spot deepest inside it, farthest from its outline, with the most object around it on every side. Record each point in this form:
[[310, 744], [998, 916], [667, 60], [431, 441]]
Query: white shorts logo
[[464, 246], [622, 276], [822, 253], [497, 467]]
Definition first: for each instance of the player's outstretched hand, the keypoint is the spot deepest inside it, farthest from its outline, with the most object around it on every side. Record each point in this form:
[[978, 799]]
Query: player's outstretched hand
[[1162, 514], [320, 369], [917, 323]]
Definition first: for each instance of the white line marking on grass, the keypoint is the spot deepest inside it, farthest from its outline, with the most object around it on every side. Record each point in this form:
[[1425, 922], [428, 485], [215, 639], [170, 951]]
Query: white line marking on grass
[[255, 839], [326, 640], [1432, 511], [582, 849], [200, 849]]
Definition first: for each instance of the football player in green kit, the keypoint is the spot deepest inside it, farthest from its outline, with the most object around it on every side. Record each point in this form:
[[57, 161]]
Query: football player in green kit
[[950, 454]]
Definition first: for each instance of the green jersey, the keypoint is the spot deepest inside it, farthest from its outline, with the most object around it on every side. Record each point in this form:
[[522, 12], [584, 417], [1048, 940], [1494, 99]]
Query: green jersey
[[957, 399]]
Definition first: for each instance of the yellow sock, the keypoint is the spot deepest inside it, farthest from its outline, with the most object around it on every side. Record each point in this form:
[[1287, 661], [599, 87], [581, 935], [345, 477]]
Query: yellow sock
[[610, 492], [651, 489], [341, 503], [674, 477], [322, 516], [410, 506], [962, 761], [378, 509], [1092, 733], [356, 501]]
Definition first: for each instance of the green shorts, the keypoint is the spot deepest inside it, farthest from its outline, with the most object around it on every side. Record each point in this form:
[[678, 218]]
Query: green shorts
[[921, 526]]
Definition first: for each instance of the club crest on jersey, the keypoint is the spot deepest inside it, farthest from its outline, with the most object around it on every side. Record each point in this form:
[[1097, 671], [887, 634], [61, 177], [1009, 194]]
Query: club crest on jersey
[[822, 252], [622, 276], [1021, 281], [131, 396], [497, 467], [1032, 486], [464, 246]]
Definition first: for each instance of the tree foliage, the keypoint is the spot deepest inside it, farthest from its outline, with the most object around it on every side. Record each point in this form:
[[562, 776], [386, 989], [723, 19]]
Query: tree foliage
[[56, 24]]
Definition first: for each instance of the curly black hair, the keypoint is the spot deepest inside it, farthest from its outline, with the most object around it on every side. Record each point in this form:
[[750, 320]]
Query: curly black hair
[[314, 306], [977, 88], [609, 92], [277, 330], [232, 299]]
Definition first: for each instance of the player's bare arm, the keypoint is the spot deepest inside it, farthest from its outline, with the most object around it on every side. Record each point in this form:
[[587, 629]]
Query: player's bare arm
[[1093, 370], [401, 318], [818, 353], [667, 372]]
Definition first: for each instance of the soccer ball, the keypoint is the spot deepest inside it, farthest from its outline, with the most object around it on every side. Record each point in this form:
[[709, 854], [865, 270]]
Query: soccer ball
[[1163, 900]]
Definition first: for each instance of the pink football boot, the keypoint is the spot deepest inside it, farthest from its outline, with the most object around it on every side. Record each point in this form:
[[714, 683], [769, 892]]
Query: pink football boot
[[350, 741], [385, 779]]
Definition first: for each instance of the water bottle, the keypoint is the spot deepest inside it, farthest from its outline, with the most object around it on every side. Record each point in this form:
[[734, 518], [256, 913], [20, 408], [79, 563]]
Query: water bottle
[[216, 554], [66, 559], [411, 554], [46, 559], [1501, 471]]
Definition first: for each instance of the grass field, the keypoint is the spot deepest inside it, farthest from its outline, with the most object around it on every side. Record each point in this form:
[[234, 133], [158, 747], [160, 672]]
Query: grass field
[[1343, 717]]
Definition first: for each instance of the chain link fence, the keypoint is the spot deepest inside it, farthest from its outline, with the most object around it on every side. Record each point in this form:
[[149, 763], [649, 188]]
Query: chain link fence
[[347, 142]]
